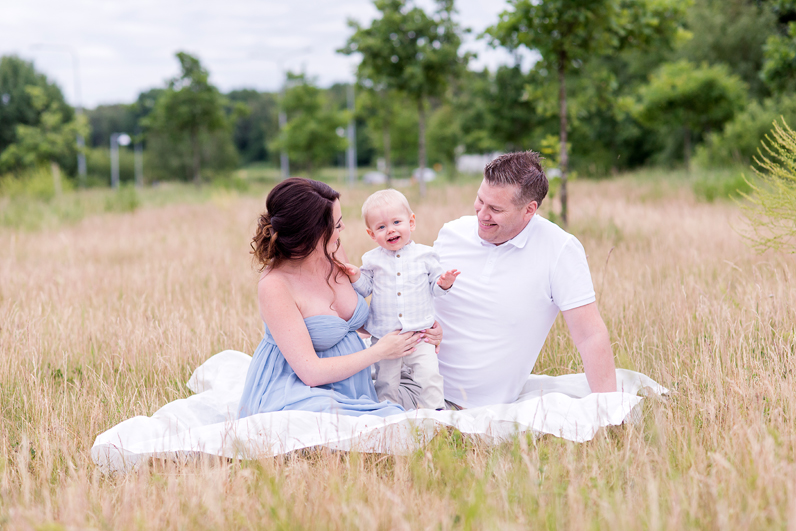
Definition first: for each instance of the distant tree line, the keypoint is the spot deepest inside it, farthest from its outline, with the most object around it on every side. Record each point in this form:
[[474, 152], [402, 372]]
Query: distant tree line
[[620, 84]]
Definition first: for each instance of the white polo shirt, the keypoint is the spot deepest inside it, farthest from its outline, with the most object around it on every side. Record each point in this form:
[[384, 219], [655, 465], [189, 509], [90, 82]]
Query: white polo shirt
[[506, 299]]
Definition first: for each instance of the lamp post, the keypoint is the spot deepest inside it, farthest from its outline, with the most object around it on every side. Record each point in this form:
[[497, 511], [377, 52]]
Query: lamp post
[[351, 152], [81, 143], [284, 161], [117, 139], [139, 164]]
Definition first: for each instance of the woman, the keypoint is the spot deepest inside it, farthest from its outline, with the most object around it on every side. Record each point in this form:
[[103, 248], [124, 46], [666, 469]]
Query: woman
[[311, 358]]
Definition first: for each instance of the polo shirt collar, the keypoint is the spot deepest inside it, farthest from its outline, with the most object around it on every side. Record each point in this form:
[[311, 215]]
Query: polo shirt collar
[[406, 248], [519, 241]]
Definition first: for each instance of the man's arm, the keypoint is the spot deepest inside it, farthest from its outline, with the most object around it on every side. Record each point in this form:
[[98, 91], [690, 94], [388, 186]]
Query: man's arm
[[591, 337]]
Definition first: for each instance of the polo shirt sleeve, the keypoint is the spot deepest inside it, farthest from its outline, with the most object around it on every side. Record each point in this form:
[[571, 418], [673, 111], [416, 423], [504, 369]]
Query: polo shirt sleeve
[[570, 279]]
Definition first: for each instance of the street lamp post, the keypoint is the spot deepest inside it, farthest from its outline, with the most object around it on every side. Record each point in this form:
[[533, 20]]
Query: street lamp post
[[117, 139], [139, 165], [351, 152], [81, 143], [284, 161]]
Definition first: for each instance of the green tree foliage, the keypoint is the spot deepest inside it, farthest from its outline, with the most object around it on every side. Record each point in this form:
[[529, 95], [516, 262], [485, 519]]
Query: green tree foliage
[[444, 137], [779, 69], [567, 33], [379, 108], [310, 136], [408, 51], [730, 32], [50, 140], [740, 139], [494, 112], [254, 132], [26, 99], [772, 209], [690, 98], [108, 119], [190, 109], [337, 97]]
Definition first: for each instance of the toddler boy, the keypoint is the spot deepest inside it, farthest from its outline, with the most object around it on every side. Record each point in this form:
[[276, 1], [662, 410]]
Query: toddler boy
[[402, 276]]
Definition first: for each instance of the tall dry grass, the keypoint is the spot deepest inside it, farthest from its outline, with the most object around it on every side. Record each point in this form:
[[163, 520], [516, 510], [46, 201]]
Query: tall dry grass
[[106, 319]]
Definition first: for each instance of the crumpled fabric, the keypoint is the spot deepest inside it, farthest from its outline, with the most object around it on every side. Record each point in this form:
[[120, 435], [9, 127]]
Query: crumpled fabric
[[207, 424]]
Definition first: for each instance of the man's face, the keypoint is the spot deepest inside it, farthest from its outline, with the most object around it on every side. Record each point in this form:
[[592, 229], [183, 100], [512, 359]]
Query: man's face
[[499, 218]]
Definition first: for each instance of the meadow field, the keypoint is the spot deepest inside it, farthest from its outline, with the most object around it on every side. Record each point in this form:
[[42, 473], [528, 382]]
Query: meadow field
[[105, 317]]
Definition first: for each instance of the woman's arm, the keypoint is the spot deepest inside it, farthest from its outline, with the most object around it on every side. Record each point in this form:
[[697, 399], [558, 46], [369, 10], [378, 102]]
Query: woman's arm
[[284, 321]]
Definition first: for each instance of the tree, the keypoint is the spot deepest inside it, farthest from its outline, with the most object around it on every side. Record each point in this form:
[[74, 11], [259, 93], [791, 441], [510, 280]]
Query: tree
[[731, 32], [189, 107], [567, 33], [253, 133], [310, 136], [380, 110], [693, 98], [108, 119], [779, 69], [413, 53], [53, 138], [19, 106]]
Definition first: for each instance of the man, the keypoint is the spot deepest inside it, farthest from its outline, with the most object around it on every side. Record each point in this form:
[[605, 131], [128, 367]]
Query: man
[[518, 270]]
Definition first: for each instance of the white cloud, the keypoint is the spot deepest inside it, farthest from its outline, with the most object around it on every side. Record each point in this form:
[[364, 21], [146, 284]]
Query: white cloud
[[127, 47]]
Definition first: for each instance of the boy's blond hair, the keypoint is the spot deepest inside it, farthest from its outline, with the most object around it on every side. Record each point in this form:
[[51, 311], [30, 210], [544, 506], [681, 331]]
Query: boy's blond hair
[[382, 198]]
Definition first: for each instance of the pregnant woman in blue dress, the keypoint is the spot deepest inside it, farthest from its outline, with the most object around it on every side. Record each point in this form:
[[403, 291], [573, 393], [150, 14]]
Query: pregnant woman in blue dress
[[311, 357]]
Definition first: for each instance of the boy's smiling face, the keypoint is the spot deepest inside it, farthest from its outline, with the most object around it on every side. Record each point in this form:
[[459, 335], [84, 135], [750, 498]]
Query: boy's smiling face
[[390, 226]]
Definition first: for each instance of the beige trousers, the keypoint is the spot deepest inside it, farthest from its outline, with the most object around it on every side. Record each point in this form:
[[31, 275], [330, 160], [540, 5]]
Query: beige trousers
[[420, 388]]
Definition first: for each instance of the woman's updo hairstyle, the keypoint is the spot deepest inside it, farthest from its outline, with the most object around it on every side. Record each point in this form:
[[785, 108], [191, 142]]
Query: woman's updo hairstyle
[[298, 215]]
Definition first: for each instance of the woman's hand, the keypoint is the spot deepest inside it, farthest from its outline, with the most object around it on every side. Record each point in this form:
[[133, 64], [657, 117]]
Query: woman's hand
[[395, 345], [433, 335]]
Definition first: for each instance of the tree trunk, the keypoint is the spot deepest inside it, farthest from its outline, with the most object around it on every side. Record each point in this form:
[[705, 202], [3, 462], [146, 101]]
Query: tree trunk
[[421, 152], [56, 177], [562, 111], [687, 147], [387, 149], [197, 178]]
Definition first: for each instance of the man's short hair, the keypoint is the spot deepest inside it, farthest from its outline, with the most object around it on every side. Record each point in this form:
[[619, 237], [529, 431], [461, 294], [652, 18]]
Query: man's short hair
[[522, 169], [383, 198]]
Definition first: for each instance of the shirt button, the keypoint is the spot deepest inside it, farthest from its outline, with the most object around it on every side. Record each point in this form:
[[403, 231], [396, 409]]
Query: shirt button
[[399, 293], [398, 255], [399, 273], [400, 315]]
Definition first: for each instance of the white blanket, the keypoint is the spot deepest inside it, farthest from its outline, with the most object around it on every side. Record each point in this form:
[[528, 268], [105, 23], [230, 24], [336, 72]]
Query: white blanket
[[206, 423]]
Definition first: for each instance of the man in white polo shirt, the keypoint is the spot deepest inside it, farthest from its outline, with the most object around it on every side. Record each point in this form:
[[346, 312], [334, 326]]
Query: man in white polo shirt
[[518, 270]]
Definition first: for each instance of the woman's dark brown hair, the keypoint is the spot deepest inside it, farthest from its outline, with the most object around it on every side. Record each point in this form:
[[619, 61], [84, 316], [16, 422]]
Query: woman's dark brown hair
[[298, 215]]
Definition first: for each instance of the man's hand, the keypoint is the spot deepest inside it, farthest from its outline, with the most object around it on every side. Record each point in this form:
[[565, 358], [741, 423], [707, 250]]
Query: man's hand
[[591, 337], [446, 279], [352, 271]]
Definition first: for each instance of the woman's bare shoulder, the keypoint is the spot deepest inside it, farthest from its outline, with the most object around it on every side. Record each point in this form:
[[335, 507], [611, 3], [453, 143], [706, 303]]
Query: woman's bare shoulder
[[274, 283]]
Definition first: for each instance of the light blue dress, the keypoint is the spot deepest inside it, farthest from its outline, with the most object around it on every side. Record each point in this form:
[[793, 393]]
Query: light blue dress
[[272, 384]]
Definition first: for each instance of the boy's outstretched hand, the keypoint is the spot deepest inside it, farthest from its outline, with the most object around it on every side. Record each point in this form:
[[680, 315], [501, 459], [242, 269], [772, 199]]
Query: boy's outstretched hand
[[352, 271], [447, 278]]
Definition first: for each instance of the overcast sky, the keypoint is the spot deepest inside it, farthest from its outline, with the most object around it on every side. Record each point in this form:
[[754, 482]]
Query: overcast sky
[[125, 47]]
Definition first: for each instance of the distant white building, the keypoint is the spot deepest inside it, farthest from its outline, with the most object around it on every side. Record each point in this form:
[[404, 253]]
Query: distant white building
[[475, 163]]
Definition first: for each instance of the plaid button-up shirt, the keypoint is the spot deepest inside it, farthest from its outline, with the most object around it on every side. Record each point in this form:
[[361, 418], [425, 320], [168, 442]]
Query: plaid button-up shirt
[[402, 283]]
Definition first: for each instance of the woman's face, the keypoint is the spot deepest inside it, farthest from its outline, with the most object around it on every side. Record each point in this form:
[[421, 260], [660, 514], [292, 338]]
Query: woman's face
[[339, 226]]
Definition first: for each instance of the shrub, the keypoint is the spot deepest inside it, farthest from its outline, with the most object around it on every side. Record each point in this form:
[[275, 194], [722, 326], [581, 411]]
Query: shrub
[[125, 199], [35, 183], [738, 142], [709, 187]]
